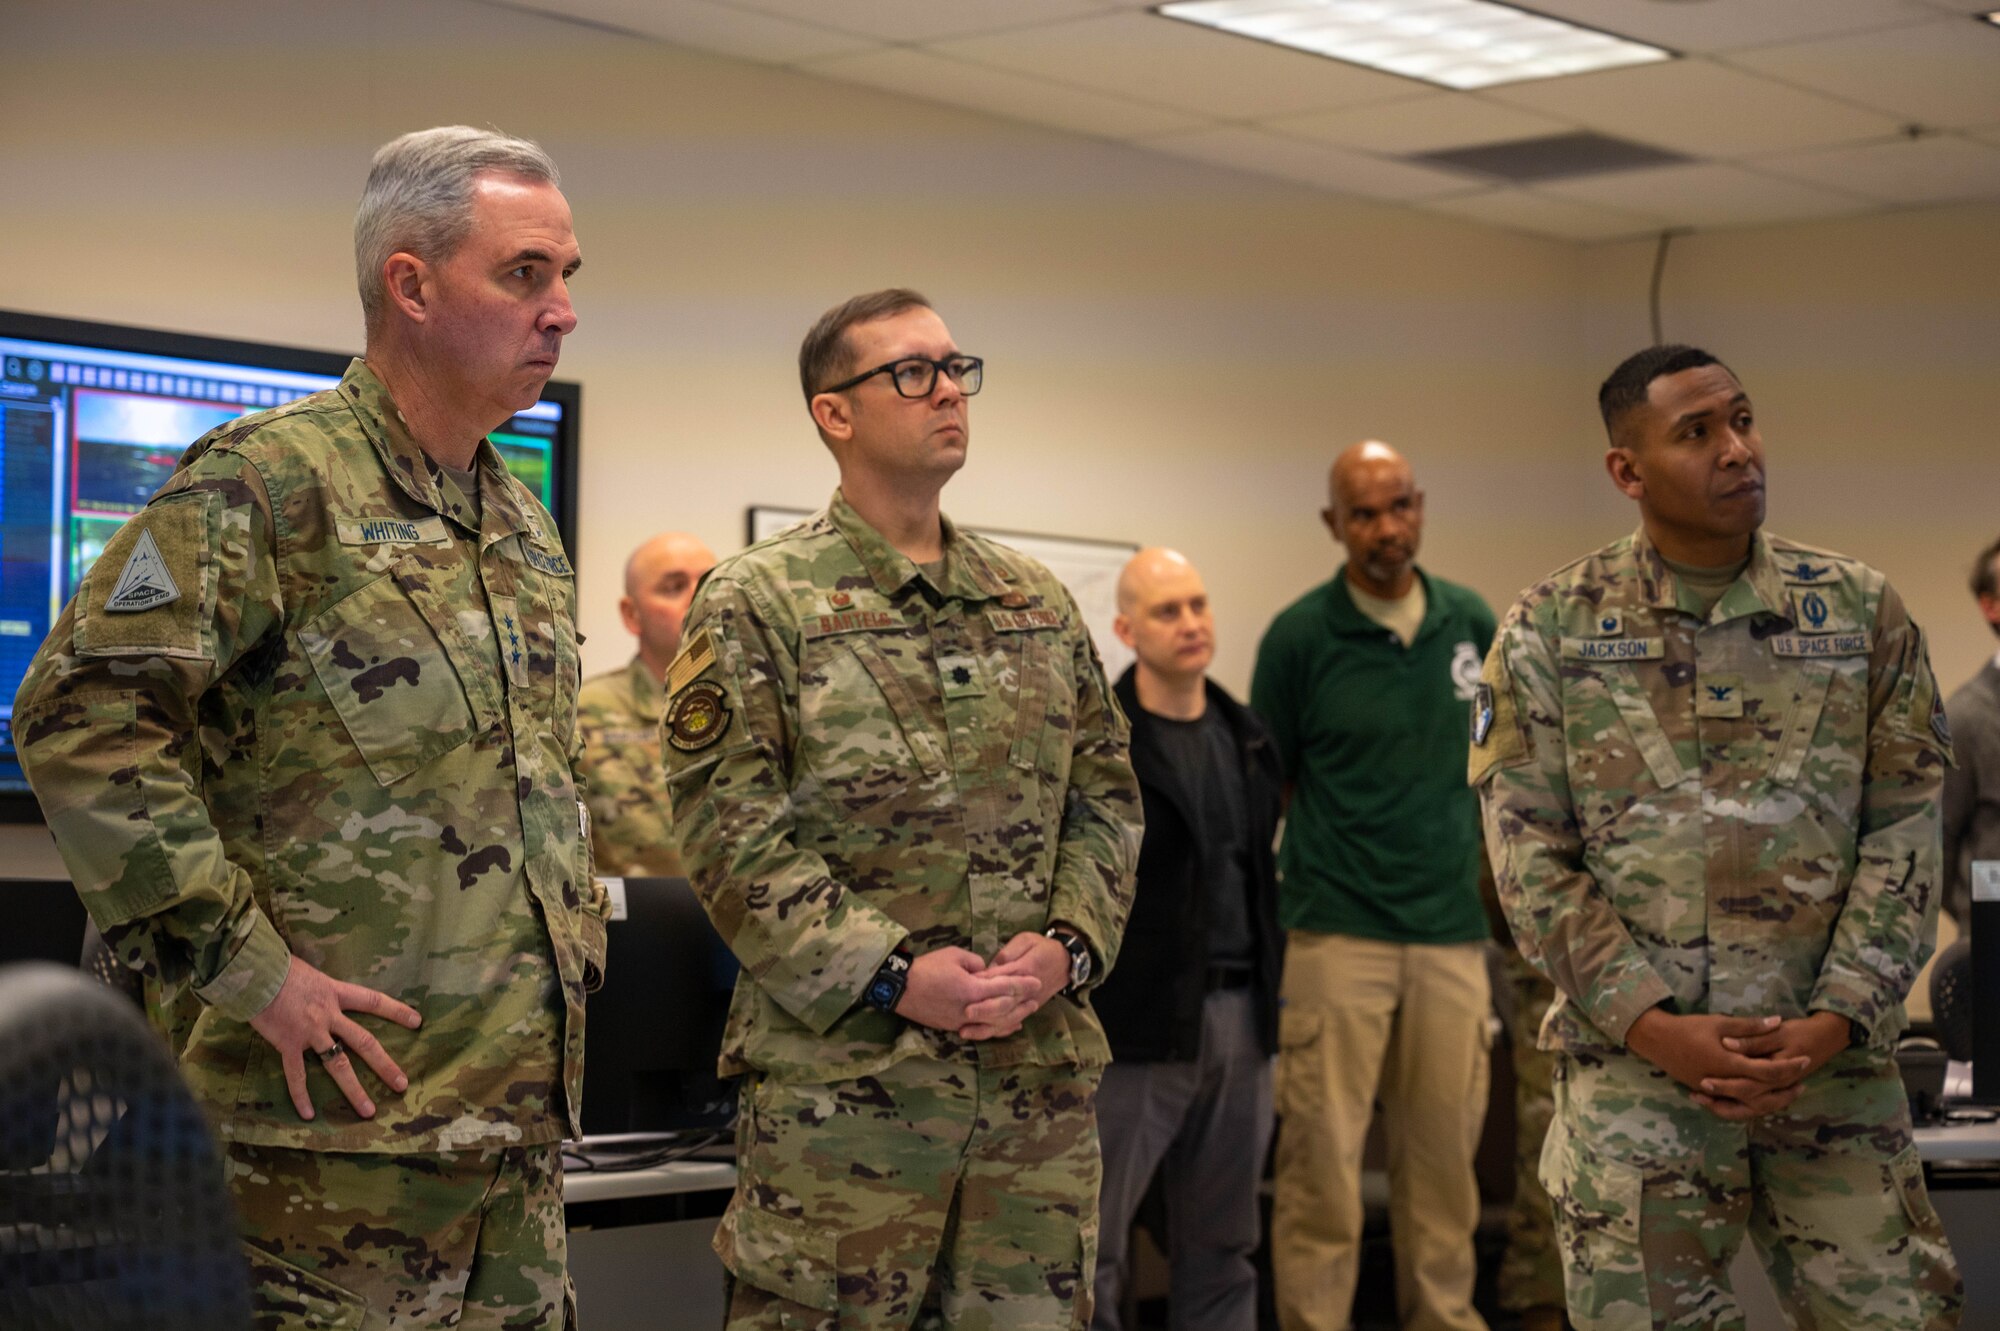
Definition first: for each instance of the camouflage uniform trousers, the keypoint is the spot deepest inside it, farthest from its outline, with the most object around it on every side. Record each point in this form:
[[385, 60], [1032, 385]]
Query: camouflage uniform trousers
[[929, 1194], [1653, 1195], [367, 1242], [1531, 1273]]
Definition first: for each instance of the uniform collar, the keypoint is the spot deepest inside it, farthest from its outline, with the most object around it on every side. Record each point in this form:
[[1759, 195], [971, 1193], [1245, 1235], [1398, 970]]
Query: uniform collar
[[420, 478], [967, 574], [1759, 589]]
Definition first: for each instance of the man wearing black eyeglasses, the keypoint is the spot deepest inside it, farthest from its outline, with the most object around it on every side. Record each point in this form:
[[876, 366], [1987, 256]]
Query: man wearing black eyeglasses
[[903, 792]]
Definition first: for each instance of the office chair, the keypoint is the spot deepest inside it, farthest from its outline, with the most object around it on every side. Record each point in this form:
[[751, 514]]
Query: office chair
[[1951, 999], [113, 1211]]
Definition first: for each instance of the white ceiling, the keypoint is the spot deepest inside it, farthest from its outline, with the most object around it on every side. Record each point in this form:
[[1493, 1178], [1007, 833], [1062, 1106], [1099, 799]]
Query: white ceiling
[[1796, 109]]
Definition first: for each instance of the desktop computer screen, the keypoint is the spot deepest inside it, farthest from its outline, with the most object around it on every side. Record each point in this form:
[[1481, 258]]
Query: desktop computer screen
[[94, 418]]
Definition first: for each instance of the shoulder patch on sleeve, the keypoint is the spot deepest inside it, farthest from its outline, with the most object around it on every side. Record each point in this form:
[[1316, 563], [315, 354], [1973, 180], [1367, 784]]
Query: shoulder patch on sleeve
[[697, 654], [1497, 740], [152, 591]]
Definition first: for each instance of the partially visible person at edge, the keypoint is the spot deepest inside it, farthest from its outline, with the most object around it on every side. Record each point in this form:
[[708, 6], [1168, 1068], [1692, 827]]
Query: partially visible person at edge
[[618, 713], [1710, 761], [1972, 787], [306, 738]]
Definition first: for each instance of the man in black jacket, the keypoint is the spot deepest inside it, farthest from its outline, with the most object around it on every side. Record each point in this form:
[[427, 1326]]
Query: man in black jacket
[[1192, 1008]]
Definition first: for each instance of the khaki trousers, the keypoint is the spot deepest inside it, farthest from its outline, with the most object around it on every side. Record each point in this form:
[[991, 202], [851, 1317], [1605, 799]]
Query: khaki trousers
[[1406, 1023]]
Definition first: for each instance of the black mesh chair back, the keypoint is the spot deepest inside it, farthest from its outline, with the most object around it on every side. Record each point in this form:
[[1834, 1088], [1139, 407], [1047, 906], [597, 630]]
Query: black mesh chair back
[[1951, 999], [113, 1209]]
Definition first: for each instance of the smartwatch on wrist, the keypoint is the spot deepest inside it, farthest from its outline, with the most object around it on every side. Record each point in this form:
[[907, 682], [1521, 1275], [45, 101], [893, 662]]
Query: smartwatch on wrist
[[1079, 956], [886, 989]]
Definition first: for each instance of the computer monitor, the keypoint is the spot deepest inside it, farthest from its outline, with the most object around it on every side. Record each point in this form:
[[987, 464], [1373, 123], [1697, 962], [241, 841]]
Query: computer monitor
[[652, 1032], [94, 417]]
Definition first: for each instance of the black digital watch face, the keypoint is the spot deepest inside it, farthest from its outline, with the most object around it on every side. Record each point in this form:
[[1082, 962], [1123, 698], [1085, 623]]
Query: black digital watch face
[[881, 993]]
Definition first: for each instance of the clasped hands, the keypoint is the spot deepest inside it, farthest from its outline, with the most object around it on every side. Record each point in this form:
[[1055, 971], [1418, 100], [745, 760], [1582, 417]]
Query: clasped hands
[[1739, 1068], [952, 989]]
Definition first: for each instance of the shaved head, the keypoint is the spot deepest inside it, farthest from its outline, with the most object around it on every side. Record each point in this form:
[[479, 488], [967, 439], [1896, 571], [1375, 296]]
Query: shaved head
[[1375, 509], [1369, 458], [660, 579], [1145, 571], [670, 549], [1163, 616]]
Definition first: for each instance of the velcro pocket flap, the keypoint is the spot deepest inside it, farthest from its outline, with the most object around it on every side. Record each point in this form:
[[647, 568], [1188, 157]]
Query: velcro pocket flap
[[783, 1255]]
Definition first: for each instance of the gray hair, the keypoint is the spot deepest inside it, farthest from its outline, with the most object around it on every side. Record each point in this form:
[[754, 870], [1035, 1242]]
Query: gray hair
[[419, 196]]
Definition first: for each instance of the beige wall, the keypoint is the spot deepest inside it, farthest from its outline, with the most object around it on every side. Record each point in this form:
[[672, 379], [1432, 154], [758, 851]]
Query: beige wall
[[1175, 352]]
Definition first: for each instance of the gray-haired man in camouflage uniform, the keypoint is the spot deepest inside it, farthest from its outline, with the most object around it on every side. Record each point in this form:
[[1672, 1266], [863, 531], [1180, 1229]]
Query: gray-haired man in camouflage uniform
[[305, 739], [902, 790], [1710, 761]]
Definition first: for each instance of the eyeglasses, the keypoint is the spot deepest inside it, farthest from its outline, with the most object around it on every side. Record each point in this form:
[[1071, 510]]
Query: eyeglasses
[[916, 376]]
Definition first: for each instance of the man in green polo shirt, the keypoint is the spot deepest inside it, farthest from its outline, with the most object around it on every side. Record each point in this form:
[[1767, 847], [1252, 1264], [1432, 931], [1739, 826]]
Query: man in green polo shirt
[[1365, 682]]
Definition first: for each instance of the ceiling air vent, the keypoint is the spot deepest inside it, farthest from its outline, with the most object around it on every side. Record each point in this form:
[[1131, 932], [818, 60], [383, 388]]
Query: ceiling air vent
[[1553, 157]]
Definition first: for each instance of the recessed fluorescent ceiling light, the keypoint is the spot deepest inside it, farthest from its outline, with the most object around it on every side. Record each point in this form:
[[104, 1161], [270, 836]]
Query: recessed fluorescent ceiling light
[[1455, 43]]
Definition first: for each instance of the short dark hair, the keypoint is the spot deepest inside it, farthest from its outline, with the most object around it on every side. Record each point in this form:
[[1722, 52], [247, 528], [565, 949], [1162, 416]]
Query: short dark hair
[[824, 357], [1985, 579], [1625, 390]]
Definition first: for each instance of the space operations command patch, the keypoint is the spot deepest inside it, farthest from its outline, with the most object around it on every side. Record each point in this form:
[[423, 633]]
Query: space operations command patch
[[144, 583]]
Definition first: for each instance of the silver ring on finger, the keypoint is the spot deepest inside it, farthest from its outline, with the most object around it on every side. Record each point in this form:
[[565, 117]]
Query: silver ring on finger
[[333, 1051]]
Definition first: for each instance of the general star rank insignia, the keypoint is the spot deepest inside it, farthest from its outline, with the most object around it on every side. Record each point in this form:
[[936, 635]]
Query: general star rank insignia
[[698, 716]]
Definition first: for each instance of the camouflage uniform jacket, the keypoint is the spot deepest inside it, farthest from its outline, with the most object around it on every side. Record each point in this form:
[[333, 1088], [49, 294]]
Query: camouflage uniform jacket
[[631, 827], [349, 736], [1733, 815], [857, 757]]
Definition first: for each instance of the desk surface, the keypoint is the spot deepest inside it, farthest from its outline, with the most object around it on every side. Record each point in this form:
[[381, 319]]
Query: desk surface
[[1959, 1142], [581, 1185]]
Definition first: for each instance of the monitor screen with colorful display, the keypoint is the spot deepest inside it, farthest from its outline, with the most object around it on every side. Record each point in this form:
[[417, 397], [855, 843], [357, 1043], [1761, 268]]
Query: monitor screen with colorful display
[[94, 417]]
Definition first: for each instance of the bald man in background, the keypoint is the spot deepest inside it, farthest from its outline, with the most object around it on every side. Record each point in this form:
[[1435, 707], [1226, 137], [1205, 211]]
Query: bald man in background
[[1366, 683], [1192, 1010], [618, 714]]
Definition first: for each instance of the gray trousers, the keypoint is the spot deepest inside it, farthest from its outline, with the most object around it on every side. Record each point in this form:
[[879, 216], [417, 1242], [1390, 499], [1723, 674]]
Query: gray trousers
[[1206, 1125]]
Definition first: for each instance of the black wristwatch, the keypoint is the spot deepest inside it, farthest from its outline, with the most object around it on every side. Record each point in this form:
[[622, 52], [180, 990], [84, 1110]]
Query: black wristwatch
[[1079, 956], [886, 989]]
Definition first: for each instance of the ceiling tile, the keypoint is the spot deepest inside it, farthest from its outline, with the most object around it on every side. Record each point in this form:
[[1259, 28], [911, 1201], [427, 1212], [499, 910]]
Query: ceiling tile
[[1944, 74], [1158, 60], [1003, 93], [1429, 123], [1541, 215], [1933, 170], [1312, 163], [1708, 195], [1718, 26], [709, 27], [1699, 108], [908, 21]]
